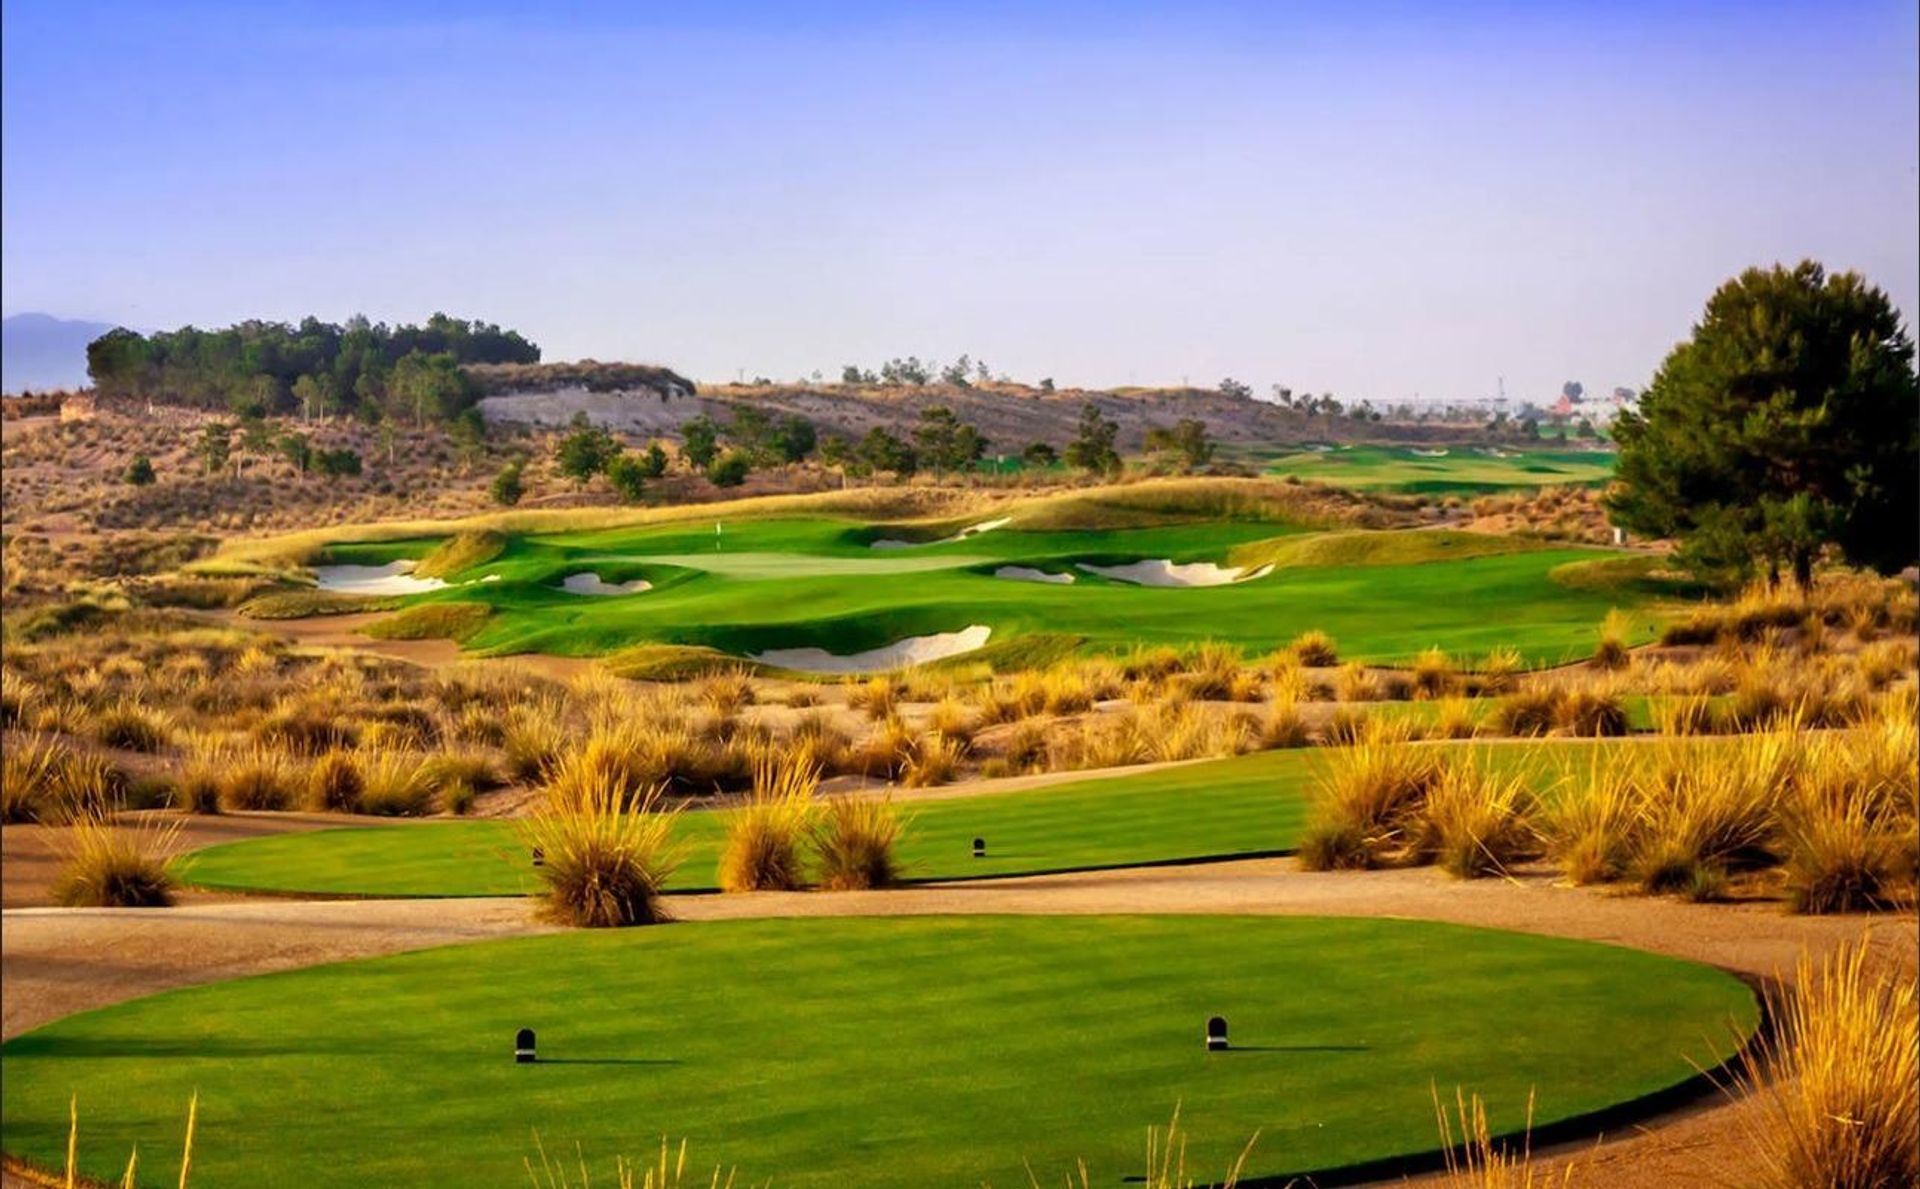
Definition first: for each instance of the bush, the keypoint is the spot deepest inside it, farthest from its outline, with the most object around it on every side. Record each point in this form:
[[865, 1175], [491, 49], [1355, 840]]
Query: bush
[[1432, 674], [334, 783], [507, 487], [1315, 649], [601, 866], [764, 836], [43, 780], [854, 840], [1611, 653], [1529, 712], [1591, 829], [396, 785], [1497, 671], [729, 470], [1591, 713], [1478, 824], [255, 779], [115, 867], [1368, 802], [1838, 1082]]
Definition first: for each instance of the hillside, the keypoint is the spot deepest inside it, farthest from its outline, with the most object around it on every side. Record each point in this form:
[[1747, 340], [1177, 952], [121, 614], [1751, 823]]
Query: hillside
[[653, 401]]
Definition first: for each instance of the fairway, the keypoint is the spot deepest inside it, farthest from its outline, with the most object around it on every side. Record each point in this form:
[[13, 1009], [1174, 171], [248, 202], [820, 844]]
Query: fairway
[[1461, 469], [765, 584], [780, 1047], [1243, 806]]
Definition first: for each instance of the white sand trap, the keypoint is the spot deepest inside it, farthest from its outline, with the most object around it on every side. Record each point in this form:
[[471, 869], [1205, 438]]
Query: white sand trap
[[590, 583], [391, 579], [1318, 448], [1161, 572], [1028, 574], [914, 650], [972, 530], [1431, 453]]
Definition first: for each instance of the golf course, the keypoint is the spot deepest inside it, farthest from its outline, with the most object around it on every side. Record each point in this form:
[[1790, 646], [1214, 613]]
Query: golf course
[[779, 1047], [813, 593], [1455, 469]]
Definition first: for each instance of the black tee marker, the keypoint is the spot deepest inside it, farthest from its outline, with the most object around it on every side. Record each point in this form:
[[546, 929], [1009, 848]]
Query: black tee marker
[[523, 1047], [539, 857], [1216, 1034], [979, 848]]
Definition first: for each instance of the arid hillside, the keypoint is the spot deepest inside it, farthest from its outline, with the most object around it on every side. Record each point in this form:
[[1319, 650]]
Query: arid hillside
[[1012, 416]]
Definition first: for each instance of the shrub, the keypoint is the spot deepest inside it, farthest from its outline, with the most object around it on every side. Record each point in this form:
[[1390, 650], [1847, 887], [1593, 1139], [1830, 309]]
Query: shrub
[[1686, 714], [1344, 726], [44, 780], [1706, 811], [854, 840], [1355, 684], [1432, 674], [108, 866], [935, 760], [1838, 1082], [532, 737], [764, 836], [1611, 652], [1315, 649], [1454, 720], [307, 727], [1477, 824], [132, 727], [396, 785], [1590, 828], [1840, 857], [1528, 712], [1368, 799], [257, 778], [601, 866], [1591, 713], [1498, 670], [1283, 726], [878, 696], [725, 693], [334, 783]]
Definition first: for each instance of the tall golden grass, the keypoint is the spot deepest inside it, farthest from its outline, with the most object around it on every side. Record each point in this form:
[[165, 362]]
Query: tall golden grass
[[1476, 1160], [854, 839], [1838, 1084], [605, 855], [105, 864], [764, 850]]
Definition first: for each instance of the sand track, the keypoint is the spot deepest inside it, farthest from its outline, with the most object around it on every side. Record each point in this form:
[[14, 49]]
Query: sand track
[[58, 961]]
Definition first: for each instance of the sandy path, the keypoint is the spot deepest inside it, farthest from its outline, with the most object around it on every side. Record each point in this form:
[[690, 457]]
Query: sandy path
[[57, 961]]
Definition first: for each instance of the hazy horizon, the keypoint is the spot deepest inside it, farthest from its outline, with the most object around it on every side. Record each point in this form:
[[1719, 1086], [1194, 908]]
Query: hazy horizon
[[1381, 201]]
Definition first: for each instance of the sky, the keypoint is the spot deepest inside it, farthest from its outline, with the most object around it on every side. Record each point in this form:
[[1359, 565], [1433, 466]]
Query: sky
[[1381, 200]]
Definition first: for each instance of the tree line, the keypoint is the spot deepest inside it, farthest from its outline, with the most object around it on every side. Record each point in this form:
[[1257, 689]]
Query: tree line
[[365, 369]]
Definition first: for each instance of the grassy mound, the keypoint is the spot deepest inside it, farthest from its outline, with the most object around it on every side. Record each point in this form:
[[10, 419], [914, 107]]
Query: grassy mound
[[1030, 1039], [461, 552]]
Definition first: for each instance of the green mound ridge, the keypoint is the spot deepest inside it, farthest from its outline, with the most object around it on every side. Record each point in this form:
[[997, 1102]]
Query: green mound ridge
[[432, 621], [1378, 549], [461, 552], [672, 662], [779, 1048]]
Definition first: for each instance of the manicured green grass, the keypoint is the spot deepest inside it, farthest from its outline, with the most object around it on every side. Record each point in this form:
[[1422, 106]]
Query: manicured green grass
[[762, 584], [1248, 805], [922, 1051], [1462, 470]]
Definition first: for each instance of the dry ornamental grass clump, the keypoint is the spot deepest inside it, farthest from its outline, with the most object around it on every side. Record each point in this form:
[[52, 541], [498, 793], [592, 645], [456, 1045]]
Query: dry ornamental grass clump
[[1315, 649], [107, 865], [764, 847], [854, 839], [1838, 1081], [603, 866]]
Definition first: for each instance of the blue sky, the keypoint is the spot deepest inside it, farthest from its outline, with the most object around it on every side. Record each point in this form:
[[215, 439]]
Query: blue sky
[[1373, 199]]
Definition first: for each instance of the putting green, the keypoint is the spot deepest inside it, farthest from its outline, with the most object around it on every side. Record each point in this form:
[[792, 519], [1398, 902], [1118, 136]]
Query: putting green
[[764, 584], [921, 1051], [1244, 806], [1460, 469]]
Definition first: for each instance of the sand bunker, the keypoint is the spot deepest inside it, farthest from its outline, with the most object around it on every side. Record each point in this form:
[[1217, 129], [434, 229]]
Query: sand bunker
[[914, 650], [590, 583], [972, 530], [393, 578], [1430, 453], [1161, 572], [1028, 574]]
